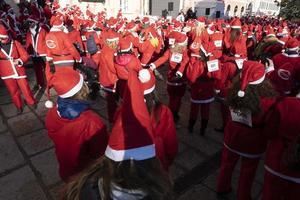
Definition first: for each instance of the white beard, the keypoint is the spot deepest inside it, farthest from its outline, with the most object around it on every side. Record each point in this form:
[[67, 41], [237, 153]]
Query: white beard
[[32, 30]]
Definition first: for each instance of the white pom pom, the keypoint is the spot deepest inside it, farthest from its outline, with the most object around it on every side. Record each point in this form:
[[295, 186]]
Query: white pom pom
[[144, 75], [49, 104], [217, 91], [241, 93]]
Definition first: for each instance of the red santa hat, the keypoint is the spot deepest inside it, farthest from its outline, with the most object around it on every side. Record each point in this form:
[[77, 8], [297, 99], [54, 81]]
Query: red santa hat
[[146, 20], [66, 84], [3, 32], [125, 45], [201, 19], [253, 73], [236, 23], [56, 21], [270, 31], [181, 39], [112, 22], [111, 36], [177, 25], [131, 26], [132, 134], [292, 44]]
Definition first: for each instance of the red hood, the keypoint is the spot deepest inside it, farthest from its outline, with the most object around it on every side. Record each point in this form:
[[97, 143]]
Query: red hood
[[123, 59]]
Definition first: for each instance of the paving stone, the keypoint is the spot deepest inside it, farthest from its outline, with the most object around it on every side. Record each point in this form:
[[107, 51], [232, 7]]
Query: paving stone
[[10, 110], [41, 109], [47, 166], [5, 99], [189, 159], [199, 191], [176, 171], [20, 185], [181, 146], [98, 104], [211, 183], [3, 126], [24, 124], [56, 191], [10, 156], [35, 142]]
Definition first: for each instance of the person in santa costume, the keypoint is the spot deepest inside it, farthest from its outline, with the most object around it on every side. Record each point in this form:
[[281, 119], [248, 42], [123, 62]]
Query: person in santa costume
[[78, 133], [36, 47], [250, 99], [286, 74], [282, 165], [107, 73], [130, 168], [176, 81], [61, 53], [12, 70]]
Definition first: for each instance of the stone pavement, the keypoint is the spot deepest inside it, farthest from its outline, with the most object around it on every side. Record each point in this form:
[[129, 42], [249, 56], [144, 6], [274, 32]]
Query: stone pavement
[[29, 170]]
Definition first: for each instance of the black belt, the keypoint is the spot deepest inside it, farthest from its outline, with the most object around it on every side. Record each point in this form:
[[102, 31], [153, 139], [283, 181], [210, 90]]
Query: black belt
[[6, 58]]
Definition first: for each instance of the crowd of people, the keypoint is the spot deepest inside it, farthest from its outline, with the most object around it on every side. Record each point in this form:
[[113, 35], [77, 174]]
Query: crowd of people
[[250, 65]]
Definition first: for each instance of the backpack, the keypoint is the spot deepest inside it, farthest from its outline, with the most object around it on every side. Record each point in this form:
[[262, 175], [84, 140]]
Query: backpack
[[91, 45]]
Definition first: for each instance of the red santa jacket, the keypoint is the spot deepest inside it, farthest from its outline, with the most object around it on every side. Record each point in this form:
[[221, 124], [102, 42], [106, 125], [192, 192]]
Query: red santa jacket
[[165, 139], [61, 49], [77, 141], [236, 50], [176, 64], [35, 44], [7, 67], [147, 50], [243, 139], [75, 37], [284, 127], [107, 72]]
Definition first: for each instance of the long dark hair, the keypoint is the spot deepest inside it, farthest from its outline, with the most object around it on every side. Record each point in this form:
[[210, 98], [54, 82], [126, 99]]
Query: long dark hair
[[235, 35], [253, 93], [145, 175]]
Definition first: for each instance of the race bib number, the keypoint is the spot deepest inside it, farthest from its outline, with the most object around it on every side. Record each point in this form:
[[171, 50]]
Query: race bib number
[[83, 38], [176, 57], [171, 41], [218, 43], [212, 65], [241, 117], [239, 63]]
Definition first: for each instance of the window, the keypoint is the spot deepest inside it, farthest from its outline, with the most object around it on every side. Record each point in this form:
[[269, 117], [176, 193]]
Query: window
[[228, 8], [124, 5], [207, 11], [235, 9], [170, 6], [218, 14], [242, 9]]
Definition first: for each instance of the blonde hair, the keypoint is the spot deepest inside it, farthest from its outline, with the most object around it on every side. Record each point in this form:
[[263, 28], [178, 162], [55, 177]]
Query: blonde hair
[[112, 44], [83, 93], [200, 27]]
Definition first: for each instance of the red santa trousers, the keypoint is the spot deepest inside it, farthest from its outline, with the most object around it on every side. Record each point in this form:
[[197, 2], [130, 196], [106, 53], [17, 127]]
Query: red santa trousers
[[39, 66], [14, 86], [247, 174], [276, 188], [175, 95]]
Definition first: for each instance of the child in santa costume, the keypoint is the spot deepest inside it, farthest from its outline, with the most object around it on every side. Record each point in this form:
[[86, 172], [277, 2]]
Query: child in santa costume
[[130, 168], [79, 134], [282, 165], [36, 47], [176, 81], [12, 72], [250, 100]]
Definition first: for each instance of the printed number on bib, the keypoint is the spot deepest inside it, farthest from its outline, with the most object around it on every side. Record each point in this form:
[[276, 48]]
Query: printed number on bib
[[218, 43], [171, 41], [239, 63], [241, 117], [176, 57], [83, 38], [213, 65]]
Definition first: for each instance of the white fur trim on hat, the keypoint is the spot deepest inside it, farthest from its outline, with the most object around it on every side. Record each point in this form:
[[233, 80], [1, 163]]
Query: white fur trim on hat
[[241, 93], [293, 49], [112, 39], [125, 50], [144, 75], [140, 153], [259, 81], [183, 43], [3, 36], [236, 27], [74, 90], [49, 104]]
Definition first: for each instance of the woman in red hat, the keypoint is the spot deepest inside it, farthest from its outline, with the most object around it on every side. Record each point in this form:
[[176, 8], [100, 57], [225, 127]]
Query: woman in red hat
[[12, 72], [130, 168], [250, 99], [79, 134], [177, 56]]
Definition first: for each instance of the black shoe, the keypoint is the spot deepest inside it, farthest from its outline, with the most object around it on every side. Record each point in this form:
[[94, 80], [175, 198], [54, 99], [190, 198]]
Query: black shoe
[[221, 129], [19, 111], [176, 117], [204, 123], [191, 125]]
